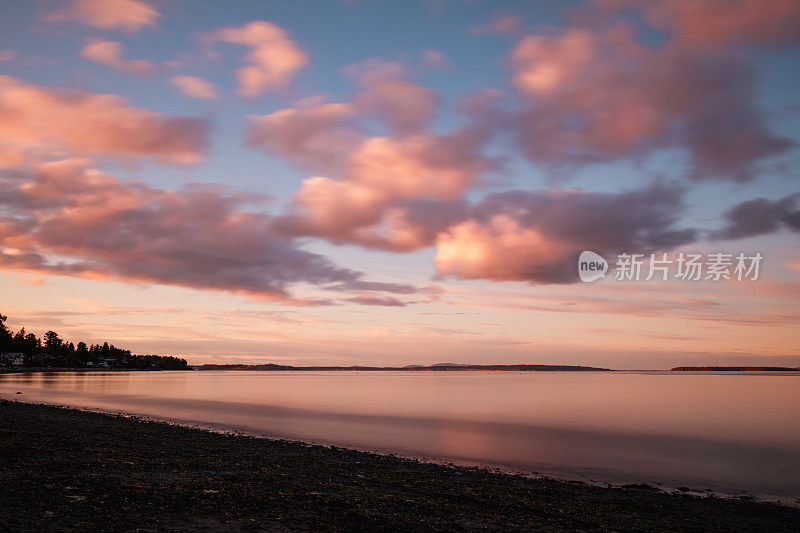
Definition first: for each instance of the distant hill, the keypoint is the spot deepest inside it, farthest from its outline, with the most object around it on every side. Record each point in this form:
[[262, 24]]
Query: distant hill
[[734, 369], [441, 367]]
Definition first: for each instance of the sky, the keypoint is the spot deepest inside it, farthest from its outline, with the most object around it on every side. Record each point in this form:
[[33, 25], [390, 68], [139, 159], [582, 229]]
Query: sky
[[392, 183]]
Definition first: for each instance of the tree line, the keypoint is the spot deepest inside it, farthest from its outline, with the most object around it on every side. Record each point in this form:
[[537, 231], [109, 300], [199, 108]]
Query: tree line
[[53, 351]]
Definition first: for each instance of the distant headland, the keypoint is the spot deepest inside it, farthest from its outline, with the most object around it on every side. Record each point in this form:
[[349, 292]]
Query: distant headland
[[440, 367], [735, 369]]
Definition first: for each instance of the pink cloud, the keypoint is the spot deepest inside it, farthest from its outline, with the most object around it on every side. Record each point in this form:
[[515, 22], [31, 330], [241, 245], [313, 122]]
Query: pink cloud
[[316, 136], [398, 203], [195, 87], [370, 299], [380, 176], [7, 55], [126, 15], [47, 121], [405, 107], [537, 236], [273, 59], [433, 59], [715, 23], [424, 166], [595, 93], [64, 218], [320, 136], [371, 179], [110, 53], [499, 25], [377, 191], [541, 64], [499, 249]]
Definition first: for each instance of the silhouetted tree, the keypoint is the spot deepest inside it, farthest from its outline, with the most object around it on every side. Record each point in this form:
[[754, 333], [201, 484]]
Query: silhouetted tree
[[52, 341], [5, 334], [58, 352]]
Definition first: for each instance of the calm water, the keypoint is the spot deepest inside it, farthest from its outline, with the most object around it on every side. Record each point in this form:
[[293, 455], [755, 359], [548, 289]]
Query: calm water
[[728, 432]]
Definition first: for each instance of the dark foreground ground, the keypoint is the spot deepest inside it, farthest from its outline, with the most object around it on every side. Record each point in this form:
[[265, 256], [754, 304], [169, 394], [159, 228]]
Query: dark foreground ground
[[68, 470]]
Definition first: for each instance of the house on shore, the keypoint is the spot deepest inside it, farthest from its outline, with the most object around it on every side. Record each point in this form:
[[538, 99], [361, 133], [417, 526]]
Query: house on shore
[[12, 359]]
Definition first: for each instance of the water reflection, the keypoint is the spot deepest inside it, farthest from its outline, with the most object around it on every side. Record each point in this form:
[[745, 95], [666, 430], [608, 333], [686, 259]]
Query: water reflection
[[724, 431]]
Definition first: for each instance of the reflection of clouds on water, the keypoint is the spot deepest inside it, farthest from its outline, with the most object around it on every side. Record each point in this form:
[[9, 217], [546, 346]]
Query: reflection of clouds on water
[[582, 426]]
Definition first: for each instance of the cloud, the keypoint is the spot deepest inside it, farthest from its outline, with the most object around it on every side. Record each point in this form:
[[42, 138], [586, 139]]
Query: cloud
[[759, 217], [322, 137], [126, 15], [7, 55], [540, 64], [501, 24], [48, 121], [716, 23], [379, 286], [406, 108], [499, 249], [373, 187], [406, 193], [594, 93], [537, 236], [195, 87], [433, 59], [65, 218], [316, 136], [383, 177], [273, 59], [371, 299], [110, 53], [378, 188]]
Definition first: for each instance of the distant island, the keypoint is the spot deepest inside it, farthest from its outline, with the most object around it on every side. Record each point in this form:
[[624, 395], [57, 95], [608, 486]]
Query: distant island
[[23, 350], [440, 367], [734, 369]]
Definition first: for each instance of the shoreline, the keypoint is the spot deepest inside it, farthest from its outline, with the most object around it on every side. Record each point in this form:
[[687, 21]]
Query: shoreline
[[32, 370], [123, 472], [557, 475], [618, 451], [508, 369]]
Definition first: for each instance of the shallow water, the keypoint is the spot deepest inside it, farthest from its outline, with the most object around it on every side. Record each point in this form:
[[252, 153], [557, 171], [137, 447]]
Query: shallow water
[[722, 431]]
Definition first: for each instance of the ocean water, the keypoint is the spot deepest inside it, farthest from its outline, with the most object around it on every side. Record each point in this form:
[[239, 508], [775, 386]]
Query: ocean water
[[726, 432]]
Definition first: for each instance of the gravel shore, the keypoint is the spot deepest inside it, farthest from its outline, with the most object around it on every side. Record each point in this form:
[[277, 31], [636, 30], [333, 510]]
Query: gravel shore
[[70, 470]]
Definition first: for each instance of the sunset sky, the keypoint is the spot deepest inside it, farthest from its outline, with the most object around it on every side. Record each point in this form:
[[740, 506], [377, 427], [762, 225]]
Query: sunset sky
[[380, 182]]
